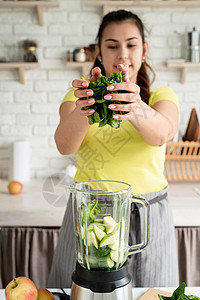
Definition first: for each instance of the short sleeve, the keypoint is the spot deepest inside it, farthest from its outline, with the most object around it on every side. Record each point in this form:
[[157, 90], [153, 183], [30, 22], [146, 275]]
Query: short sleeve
[[163, 93], [69, 97]]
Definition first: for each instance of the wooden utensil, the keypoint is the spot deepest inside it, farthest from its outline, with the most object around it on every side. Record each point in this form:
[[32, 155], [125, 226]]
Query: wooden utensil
[[152, 294], [193, 128]]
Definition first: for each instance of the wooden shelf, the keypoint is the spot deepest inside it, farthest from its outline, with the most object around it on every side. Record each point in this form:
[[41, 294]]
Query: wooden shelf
[[39, 5], [84, 66], [184, 66], [144, 3], [147, 3], [20, 66]]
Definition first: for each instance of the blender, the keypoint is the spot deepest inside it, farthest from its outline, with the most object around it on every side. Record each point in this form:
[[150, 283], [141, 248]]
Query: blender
[[101, 216]]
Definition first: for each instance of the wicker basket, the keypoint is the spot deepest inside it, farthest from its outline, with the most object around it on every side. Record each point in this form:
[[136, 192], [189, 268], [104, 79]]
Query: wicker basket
[[182, 161]]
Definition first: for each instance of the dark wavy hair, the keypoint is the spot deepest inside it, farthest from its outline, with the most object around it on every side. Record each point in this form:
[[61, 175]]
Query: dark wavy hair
[[143, 79]]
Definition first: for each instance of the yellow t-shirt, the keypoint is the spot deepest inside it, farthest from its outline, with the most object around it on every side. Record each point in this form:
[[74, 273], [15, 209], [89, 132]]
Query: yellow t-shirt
[[122, 154]]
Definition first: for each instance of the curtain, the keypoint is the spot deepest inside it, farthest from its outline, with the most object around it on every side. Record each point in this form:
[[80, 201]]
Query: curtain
[[188, 241], [27, 252]]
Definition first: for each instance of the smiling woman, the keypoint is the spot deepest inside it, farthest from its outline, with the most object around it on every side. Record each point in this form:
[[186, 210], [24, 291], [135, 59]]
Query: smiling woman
[[133, 153], [127, 46]]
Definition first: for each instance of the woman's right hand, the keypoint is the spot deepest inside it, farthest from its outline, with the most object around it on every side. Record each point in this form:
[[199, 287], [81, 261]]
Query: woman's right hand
[[82, 92]]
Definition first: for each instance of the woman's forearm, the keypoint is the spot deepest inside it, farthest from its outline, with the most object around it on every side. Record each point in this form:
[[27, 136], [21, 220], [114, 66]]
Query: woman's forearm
[[153, 125], [71, 131]]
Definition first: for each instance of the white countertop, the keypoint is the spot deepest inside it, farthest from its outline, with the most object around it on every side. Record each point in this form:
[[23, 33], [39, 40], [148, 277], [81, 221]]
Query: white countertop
[[42, 203], [37, 205], [137, 292], [185, 202]]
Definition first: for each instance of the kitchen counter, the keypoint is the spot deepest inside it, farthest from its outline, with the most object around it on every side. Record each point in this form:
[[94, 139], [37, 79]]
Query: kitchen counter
[[38, 212], [137, 292], [42, 203]]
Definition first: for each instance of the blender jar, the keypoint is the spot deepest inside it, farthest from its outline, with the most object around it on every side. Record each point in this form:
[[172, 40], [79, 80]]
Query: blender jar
[[101, 215]]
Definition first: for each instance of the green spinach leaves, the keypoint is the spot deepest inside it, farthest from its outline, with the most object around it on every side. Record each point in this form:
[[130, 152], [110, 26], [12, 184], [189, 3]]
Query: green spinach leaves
[[179, 294], [91, 212], [103, 115]]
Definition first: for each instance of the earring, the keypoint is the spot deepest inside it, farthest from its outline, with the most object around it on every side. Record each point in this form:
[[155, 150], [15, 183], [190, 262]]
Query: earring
[[143, 59]]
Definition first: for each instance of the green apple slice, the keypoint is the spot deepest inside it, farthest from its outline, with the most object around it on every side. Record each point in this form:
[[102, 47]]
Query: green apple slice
[[99, 233], [116, 231], [90, 227], [82, 232], [114, 255], [100, 225], [108, 240], [109, 223], [114, 246], [91, 239]]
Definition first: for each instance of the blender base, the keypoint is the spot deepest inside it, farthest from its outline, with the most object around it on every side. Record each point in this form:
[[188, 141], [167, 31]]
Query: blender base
[[81, 293], [101, 285]]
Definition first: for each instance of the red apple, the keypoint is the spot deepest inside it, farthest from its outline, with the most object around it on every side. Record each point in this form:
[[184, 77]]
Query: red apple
[[44, 294], [21, 288], [15, 187]]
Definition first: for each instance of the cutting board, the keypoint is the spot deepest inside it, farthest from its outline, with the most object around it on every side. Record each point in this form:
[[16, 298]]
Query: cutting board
[[193, 127], [152, 294]]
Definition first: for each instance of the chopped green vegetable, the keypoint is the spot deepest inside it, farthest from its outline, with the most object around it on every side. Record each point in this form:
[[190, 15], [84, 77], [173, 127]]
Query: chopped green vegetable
[[99, 233], [179, 294], [100, 238], [91, 239], [109, 239], [103, 115]]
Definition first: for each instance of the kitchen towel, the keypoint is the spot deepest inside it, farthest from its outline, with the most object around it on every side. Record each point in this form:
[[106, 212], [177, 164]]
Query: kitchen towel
[[19, 168]]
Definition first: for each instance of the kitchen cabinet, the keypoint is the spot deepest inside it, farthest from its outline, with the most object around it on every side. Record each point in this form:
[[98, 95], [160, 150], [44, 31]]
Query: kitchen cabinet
[[39, 5], [20, 66]]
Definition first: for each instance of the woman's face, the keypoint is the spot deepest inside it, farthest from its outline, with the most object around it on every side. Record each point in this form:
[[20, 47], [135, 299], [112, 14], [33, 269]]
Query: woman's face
[[122, 44]]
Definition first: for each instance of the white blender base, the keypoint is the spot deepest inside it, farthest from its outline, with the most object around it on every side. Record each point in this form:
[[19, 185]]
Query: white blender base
[[121, 293]]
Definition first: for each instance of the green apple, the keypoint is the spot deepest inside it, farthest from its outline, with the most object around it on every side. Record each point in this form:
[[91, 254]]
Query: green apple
[[21, 288]]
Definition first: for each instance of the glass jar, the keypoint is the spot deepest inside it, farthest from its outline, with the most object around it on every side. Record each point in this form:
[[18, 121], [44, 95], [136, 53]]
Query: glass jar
[[30, 54], [80, 55]]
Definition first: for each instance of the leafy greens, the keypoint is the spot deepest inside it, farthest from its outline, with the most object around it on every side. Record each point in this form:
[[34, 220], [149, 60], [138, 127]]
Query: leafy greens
[[103, 115], [91, 212], [179, 294]]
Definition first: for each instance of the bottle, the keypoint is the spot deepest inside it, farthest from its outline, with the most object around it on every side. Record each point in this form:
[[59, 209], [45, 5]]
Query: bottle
[[69, 56], [80, 55]]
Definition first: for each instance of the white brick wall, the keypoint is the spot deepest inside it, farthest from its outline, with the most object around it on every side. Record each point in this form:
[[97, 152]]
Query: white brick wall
[[30, 111]]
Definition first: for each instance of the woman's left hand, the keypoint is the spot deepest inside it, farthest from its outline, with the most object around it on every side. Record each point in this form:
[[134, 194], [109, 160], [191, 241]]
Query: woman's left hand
[[130, 96]]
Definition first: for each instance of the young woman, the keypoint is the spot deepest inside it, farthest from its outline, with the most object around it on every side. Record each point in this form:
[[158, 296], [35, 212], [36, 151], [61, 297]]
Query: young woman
[[134, 153]]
